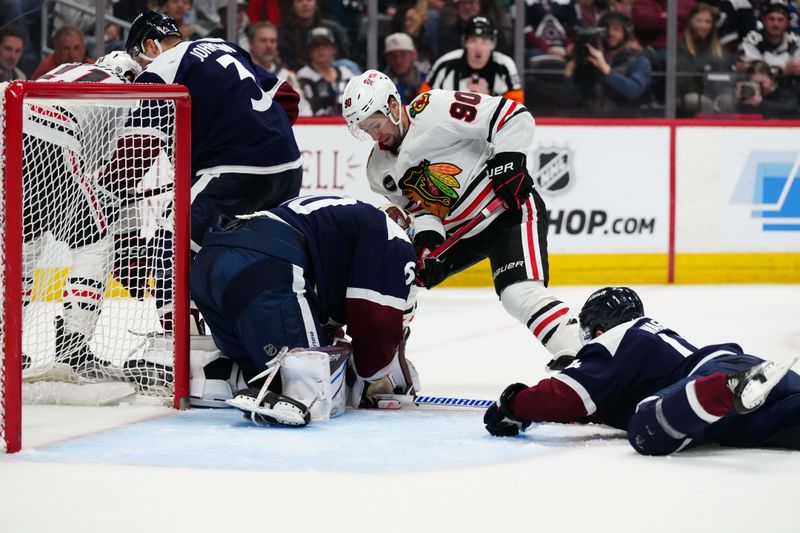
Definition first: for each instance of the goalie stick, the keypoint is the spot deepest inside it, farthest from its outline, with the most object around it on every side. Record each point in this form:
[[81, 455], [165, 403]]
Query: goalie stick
[[451, 241], [400, 401]]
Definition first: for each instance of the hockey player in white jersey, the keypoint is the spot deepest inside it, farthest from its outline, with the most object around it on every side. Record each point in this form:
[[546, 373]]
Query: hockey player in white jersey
[[446, 157], [80, 139]]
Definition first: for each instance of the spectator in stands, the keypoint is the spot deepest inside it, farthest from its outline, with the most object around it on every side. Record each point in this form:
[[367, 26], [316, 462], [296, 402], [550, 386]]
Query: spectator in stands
[[548, 26], [607, 79], [402, 66], [182, 12], [762, 94], [11, 42], [242, 22], [294, 30], [775, 44], [410, 19], [263, 41], [69, 46], [269, 10], [699, 52], [650, 23], [323, 82], [736, 18], [478, 67], [455, 20]]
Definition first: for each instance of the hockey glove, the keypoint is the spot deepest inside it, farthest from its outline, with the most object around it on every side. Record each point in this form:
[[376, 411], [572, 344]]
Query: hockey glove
[[431, 270], [499, 419], [510, 178]]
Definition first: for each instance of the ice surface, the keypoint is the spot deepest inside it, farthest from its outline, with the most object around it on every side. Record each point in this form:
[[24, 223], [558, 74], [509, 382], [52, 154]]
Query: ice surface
[[150, 469]]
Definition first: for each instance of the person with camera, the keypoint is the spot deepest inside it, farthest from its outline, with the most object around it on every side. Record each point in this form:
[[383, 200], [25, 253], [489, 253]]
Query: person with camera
[[602, 76], [762, 94]]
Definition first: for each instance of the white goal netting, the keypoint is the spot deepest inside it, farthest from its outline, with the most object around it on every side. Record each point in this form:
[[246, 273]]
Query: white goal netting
[[97, 244]]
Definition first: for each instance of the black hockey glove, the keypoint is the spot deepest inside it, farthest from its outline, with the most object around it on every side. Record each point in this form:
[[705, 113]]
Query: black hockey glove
[[510, 178], [431, 270], [499, 419]]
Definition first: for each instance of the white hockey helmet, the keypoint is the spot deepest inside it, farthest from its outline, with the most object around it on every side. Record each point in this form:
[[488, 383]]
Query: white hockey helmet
[[366, 94], [122, 64]]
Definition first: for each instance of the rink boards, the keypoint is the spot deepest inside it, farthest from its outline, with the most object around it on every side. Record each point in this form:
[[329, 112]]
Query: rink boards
[[649, 201]]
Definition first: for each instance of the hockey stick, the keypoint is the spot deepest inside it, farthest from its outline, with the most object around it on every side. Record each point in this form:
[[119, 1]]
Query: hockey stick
[[400, 401], [451, 241]]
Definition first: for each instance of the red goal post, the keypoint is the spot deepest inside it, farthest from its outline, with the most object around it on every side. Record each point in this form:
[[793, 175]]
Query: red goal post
[[14, 97]]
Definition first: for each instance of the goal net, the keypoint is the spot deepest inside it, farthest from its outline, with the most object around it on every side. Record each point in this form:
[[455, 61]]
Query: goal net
[[94, 221]]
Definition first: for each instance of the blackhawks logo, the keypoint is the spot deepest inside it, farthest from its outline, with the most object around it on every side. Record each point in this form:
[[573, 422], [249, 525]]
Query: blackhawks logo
[[419, 104], [432, 186]]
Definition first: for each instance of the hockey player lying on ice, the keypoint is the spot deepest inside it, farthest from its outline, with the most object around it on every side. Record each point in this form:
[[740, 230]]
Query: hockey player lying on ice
[[637, 375], [292, 277]]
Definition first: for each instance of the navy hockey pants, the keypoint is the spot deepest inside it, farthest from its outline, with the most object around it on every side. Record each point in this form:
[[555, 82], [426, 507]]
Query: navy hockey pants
[[672, 420], [256, 298]]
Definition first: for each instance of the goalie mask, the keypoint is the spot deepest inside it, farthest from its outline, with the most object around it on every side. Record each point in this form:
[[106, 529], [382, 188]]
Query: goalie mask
[[123, 65], [365, 95], [607, 308]]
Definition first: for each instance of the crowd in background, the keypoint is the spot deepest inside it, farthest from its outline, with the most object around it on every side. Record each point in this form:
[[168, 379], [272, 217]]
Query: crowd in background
[[582, 57]]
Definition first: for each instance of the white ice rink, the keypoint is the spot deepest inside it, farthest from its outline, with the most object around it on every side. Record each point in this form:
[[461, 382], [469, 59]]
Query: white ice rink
[[137, 469]]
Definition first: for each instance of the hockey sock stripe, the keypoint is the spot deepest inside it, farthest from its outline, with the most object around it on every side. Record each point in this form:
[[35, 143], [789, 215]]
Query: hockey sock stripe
[[541, 312], [697, 404], [88, 282], [542, 325], [81, 293], [548, 335]]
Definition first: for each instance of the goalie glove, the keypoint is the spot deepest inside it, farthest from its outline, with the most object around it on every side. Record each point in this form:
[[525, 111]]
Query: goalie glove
[[510, 178], [499, 419], [431, 270]]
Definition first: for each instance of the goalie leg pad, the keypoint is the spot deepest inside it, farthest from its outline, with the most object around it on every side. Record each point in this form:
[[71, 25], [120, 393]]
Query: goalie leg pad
[[399, 377], [213, 376], [317, 380], [86, 285], [273, 409]]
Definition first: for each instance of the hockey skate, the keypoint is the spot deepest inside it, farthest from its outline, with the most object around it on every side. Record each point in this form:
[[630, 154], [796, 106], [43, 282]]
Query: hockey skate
[[72, 349], [273, 409], [152, 369], [751, 386]]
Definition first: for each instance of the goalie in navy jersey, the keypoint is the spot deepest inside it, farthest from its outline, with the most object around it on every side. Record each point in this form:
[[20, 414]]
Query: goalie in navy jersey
[[293, 276], [637, 375]]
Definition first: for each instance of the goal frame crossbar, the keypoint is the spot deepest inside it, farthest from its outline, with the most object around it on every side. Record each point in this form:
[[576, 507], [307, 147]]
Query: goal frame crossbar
[[15, 95]]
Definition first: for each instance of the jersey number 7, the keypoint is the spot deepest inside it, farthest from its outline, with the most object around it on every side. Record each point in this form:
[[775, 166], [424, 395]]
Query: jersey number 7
[[261, 104]]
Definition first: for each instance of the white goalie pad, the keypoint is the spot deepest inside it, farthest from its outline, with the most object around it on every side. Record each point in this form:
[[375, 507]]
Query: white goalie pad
[[316, 379], [204, 392]]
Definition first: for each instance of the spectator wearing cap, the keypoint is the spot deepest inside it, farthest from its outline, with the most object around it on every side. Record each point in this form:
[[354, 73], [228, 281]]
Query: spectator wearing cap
[[69, 46], [11, 42], [774, 44], [607, 78], [301, 17], [477, 67], [263, 41], [323, 81], [402, 66]]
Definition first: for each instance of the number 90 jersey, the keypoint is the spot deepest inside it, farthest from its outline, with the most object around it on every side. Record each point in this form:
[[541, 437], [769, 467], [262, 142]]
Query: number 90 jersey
[[440, 162], [237, 126]]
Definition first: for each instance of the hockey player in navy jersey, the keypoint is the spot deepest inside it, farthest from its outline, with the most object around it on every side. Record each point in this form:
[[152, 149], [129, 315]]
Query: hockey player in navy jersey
[[294, 275], [445, 158], [637, 375]]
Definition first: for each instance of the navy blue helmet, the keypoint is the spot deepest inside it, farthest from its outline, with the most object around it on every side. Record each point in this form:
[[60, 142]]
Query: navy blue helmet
[[607, 308], [149, 25]]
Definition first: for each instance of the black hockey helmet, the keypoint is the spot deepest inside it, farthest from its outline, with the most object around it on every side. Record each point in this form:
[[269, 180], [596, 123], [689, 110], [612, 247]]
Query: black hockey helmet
[[480, 26], [149, 25], [607, 308]]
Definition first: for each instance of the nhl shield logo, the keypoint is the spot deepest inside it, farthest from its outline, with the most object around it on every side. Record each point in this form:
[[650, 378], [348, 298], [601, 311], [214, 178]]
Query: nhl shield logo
[[554, 173]]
